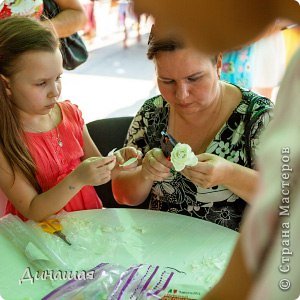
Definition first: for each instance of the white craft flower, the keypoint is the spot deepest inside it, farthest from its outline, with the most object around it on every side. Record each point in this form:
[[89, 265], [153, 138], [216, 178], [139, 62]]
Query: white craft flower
[[182, 156]]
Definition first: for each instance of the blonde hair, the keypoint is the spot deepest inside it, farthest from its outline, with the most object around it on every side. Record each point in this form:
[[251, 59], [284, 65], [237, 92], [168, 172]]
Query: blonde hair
[[19, 35]]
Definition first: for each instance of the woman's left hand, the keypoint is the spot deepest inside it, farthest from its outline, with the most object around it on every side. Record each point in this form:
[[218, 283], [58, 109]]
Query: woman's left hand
[[125, 154], [211, 170]]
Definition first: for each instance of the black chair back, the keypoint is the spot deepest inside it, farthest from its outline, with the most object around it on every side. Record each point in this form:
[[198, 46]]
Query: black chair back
[[108, 134]]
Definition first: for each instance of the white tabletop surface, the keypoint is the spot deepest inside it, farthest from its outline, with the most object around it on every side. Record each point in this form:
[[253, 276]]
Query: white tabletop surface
[[125, 237]]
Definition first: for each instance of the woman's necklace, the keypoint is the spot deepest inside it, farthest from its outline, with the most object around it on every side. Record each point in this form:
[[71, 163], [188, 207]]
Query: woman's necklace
[[59, 141]]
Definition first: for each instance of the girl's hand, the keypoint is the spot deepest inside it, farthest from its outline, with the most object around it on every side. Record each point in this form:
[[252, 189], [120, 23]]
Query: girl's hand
[[155, 166], [125, 154], [211, 170], [95, 170]]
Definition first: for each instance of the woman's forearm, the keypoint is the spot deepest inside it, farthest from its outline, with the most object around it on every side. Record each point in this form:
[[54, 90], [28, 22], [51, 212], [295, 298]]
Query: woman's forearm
[[242, 181], [130, 187], [70, 19], [68, 22]]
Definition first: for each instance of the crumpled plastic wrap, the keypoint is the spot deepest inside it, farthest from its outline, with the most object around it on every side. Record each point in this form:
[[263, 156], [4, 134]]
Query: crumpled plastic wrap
[[25, 239], [48, 251], [94, 242]]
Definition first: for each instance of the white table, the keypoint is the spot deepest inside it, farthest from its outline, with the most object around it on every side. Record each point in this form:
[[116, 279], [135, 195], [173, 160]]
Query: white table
[[126, 237]]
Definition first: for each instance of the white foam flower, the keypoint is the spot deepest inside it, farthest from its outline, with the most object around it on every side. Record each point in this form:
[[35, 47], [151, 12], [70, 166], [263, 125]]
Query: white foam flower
[[182, 156]]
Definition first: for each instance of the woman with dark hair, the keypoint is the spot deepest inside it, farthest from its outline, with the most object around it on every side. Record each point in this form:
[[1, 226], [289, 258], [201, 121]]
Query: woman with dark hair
[[265, 261], [211, 116]]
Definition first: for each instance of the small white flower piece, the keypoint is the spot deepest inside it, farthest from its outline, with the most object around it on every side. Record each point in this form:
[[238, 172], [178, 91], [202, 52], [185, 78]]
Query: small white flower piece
[[182, 156], [111, 152], [129, 162]]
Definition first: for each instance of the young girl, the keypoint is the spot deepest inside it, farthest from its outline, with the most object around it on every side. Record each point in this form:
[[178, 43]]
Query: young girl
[[48, 161]]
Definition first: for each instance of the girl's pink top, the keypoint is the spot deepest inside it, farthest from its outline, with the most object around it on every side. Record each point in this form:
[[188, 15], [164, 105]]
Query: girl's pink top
[[54, 163]]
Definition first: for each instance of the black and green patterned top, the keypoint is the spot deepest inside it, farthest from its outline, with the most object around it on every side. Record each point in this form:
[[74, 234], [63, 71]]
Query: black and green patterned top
[[178, 194]]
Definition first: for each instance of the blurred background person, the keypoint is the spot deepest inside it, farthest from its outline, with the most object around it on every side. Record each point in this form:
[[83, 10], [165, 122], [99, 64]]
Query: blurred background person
[[71, 18], [125, 17], [269, 59], [30, 8], [237, 67], [129, 20], [292, 41], [90, 29]]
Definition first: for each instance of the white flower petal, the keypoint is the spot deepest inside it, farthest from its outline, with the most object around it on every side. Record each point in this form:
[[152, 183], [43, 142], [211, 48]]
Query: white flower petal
[[111, 152], [182, 155], [179, 167], [193, 160]]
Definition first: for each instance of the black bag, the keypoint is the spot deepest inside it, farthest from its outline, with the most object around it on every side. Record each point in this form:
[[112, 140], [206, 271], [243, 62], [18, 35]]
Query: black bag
[[73, 49]]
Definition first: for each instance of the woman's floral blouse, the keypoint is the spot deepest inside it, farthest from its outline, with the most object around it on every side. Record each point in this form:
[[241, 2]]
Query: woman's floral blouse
[[178, 194]]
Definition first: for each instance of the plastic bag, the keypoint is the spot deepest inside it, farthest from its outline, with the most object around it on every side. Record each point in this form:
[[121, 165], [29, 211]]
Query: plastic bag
[[26, 240], [111, 282]]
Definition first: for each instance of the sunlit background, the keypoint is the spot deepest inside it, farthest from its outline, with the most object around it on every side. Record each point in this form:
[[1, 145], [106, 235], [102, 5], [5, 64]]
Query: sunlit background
[[114, 81]]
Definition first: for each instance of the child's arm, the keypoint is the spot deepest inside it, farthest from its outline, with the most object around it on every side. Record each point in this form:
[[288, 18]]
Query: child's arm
[[92, 171], [122, 155], [89, 147]]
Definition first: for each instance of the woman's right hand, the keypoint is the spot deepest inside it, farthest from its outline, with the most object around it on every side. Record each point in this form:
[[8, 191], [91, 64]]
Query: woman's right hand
[[155, 166], [95, 170]]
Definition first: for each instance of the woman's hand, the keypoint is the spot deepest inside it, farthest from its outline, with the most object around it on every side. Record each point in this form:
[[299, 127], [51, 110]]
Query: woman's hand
[[95, 170], [155, 166], [124, 155], [211, 170]]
